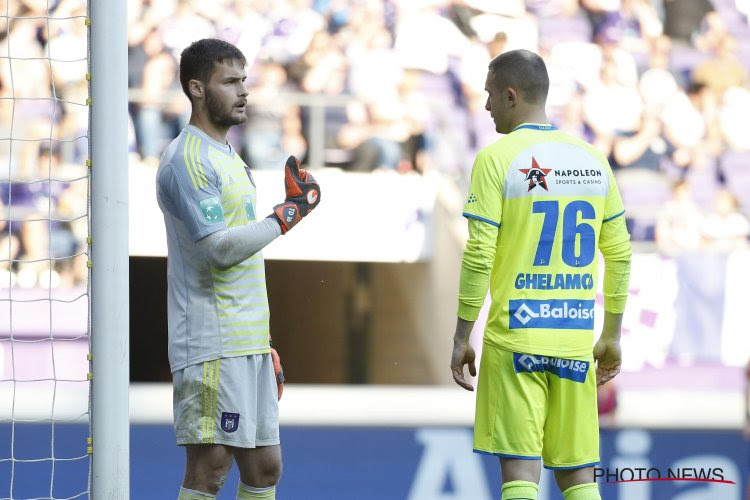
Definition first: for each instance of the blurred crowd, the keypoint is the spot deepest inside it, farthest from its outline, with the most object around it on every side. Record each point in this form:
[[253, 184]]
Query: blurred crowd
[[43, 174], [660, 86]]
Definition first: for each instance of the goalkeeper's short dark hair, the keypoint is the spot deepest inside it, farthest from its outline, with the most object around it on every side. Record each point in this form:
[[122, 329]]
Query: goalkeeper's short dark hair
[[522, 70], [199, 60]]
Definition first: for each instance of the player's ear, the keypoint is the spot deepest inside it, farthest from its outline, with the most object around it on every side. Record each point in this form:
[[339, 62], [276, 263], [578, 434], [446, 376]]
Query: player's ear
[[196, 89], [511, 96]]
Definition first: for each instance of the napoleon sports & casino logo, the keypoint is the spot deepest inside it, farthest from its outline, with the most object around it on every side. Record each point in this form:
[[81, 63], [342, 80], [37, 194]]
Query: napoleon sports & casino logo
[[537, 176]]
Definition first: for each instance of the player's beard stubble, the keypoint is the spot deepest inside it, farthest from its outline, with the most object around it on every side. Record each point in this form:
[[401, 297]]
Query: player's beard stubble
[[220, 113]]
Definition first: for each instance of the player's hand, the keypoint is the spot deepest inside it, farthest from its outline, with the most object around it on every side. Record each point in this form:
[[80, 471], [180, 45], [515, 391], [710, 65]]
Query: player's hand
[[302, 196], [463, 354], [287, 215], [301, 186], [278, 371], [608, 356]]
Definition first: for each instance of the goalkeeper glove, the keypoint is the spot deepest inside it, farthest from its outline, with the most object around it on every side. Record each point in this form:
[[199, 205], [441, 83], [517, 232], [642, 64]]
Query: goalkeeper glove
[[302, 196], [278, 371]]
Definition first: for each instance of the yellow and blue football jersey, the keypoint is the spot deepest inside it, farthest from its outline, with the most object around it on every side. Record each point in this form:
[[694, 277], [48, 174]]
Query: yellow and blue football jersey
[[554, 202]]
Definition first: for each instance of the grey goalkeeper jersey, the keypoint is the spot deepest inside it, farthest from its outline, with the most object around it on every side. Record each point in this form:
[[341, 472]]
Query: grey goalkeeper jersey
[[202, 187]]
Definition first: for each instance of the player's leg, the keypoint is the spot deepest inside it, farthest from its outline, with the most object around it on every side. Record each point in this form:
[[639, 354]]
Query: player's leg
[[577, 484], [510, 415], [520, 478], [196, 389], [571, 433], [259, 462], [207, 466], [260, 471]]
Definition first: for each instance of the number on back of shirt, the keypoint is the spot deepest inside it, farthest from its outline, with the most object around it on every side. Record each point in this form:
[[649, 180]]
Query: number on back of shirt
[[578, 238]]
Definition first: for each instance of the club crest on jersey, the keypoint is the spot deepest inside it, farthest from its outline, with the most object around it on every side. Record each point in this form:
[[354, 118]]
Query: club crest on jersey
[[230, 421], [536, 175]]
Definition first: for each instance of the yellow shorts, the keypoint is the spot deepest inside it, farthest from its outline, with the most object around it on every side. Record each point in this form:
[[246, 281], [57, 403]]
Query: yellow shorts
[[532, 406]]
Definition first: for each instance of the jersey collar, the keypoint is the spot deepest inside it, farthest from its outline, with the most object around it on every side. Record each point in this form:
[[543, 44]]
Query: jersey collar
[[225, 148], [536, 126]]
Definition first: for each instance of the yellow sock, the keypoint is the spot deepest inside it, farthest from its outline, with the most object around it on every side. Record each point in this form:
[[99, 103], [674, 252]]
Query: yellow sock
[[519, 490], [586, 491], [245, 492], [186, 494]]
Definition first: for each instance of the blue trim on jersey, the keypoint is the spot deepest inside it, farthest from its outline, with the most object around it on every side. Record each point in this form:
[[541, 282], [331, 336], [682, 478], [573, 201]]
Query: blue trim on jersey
[[613, 217], [505, 455], [534, 126], [572, 466], [488, 221]]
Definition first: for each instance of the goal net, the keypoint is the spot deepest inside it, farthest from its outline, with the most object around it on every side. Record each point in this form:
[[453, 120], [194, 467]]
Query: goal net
[[44, 249]]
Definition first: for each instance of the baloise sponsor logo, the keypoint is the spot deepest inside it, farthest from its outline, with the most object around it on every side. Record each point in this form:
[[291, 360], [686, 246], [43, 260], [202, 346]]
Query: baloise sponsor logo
[[572, 314], [571, 369]]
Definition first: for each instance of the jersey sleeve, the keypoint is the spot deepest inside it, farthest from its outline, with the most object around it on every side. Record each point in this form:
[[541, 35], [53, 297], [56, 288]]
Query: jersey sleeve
[[614, 243], [476, 266], [613, 207], [485, 202], [192, 193]]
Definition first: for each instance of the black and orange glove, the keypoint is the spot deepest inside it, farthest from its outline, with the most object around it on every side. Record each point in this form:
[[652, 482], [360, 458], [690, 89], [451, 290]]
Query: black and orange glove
[[278, 371], [302, 196]]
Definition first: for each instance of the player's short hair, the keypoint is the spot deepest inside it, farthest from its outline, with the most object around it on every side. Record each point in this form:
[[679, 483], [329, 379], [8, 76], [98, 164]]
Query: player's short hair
[[523, 70], [198, 61]]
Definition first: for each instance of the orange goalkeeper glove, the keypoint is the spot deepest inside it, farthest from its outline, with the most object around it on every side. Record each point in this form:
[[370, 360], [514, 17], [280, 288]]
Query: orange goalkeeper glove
[[278, 371], [302, 196]]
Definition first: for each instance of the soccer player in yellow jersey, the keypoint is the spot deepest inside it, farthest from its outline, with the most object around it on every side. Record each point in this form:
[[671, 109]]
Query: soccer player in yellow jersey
[[540, 204]]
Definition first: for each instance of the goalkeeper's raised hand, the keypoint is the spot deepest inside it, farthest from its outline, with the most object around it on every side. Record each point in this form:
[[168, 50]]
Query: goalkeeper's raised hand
[[302, 196]]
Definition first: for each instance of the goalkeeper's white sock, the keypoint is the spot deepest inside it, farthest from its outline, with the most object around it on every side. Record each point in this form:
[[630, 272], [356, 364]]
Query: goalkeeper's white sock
[[245, 492], [186, 494]]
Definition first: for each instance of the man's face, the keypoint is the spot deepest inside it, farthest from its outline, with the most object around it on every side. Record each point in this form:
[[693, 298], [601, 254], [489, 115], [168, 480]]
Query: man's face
[[226, 95], [496, 105]]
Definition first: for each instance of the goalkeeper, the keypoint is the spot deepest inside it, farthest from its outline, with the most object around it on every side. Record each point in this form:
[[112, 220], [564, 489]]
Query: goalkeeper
[[227, 379], [541, 203]]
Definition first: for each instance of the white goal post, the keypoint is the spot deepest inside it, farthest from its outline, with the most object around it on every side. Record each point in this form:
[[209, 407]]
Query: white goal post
[[109, 250]]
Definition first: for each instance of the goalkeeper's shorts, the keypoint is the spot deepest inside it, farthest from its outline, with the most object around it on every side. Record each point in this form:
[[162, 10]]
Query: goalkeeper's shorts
[[532, 407], [231, 401]]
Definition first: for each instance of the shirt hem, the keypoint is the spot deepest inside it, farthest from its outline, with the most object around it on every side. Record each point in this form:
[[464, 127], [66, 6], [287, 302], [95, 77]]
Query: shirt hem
[[586, 354], [215, 356]]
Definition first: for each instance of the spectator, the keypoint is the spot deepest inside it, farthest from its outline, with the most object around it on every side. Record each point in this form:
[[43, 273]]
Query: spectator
[[264, 129], [725, 229], [155, 123], [9, 249], [725, 70], [678, 228]]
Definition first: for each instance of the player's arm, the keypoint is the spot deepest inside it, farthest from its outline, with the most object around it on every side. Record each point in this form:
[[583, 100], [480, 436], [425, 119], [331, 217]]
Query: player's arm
[[483, 212], [614, 243], [195, 200], [228, 247]]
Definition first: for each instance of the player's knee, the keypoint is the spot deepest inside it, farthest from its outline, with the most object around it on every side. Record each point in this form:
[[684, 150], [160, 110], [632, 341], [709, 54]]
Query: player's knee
[[208, 476], [216, 476], [271, 472]]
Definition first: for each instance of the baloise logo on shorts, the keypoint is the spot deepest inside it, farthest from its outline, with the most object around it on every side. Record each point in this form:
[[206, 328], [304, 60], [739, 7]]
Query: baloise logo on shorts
[[571, 314], [571, 369]]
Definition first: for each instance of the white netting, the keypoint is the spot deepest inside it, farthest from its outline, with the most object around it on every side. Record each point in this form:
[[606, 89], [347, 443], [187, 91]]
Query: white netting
[[44, 227]]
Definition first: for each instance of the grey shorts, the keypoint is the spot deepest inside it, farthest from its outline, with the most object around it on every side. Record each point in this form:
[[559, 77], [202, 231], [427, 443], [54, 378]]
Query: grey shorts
[[230, 401]]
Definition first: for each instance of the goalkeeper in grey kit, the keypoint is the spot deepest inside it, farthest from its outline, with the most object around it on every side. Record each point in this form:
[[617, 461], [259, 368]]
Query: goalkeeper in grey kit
[[227, 379]]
